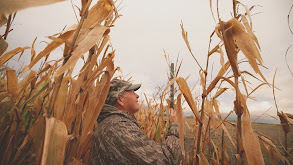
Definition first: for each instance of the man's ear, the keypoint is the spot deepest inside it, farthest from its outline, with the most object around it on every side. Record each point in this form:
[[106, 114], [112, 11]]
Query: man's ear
[[119, 101]]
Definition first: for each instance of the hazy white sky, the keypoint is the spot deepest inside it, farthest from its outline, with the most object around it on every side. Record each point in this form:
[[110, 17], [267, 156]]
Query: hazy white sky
[[148, 27]]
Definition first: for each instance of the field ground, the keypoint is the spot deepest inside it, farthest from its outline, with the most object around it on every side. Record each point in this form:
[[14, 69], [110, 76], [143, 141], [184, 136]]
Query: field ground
[[273, 131]]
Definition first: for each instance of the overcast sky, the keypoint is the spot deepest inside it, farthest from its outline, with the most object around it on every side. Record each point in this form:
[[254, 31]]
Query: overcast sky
[[149, 27]]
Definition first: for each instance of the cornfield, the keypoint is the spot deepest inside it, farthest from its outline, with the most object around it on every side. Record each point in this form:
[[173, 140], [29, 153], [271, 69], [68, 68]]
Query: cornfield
[[48, 117]]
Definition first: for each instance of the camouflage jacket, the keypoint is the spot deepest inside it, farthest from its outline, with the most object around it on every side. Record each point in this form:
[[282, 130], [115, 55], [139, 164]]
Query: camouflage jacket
[[118, 139]]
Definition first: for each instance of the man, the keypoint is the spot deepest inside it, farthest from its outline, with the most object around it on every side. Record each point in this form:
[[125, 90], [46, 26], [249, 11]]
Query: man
[[118, 138]]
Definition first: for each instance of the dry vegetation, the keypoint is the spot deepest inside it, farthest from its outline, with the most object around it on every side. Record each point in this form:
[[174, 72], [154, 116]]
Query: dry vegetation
[[48, 117]]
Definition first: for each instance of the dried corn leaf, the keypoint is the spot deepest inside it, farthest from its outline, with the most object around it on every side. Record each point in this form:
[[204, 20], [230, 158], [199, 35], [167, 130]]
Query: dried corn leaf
[[10, 6], [34, 139], [33, 52], [83, 46], [227, 31], [285, 121], [3, 45], [3, 20], [61, 99], [86, 146], [217, 30], [215, 149], [4, 58], [257, 88], [219, 76], [188, 97], [26, 81], [238, 159], [69, 114], [249, 30], [46, 68], [98, 13], [184, 35], [169, 84], [244, 84], [202, 78], [49, 48], [222, 61], [215, 49], [54, 142], [289, 115], [83, 5], [181, 122], [246, 44], [12, 83], [253, 154], [219, 92], [212, 10], [272, 150], [228, 134], [216, 106], [41, 85], [202, 159], [211, 114], [70, 28], [91, 115]]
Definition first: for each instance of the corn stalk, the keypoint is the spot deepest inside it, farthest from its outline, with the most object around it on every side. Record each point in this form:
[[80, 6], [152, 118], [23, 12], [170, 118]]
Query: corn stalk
[[49, 117]]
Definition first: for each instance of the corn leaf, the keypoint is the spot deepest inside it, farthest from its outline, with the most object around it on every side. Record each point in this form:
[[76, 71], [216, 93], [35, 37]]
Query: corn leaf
[[228, 134], [227, 31], [246, 45], [10, 6], [251, 143], [49, 48], [3, 45], [12, 83], [26, 81], [219, 76], [54, 142], [181, 122], [5, 57], [3, 20], [202, 159], [285, 121], [92, 114], [92, 38], [62, 97], [188, 97]]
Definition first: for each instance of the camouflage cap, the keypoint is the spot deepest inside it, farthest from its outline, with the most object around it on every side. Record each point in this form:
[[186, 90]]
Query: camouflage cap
[[117, 87]]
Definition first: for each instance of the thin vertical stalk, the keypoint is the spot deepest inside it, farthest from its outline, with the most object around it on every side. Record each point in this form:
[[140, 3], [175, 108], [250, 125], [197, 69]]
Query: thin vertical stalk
[[66, 57], [285, 143], [8, 26], [172, 87], [209, 144], [239, 114], [234, 8], [223, 153], [206, 132], [204, 95]]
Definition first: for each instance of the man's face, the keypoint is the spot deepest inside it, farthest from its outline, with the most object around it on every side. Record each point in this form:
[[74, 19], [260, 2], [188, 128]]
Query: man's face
[[130, 102]]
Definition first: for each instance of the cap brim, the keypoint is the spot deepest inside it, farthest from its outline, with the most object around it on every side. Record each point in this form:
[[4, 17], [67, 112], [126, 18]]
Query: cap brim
[[134, 87]]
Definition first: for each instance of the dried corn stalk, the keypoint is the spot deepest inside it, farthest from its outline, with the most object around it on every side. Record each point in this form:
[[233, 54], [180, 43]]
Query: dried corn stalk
[[50, 112]]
